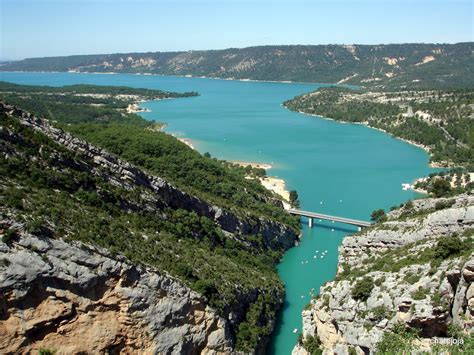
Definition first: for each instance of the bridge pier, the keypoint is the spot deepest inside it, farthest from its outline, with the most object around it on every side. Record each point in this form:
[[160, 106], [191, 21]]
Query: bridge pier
[[310, 222]]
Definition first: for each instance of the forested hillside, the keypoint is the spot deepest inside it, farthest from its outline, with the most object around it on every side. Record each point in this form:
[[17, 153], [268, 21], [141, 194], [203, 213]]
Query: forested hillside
[[140, 194], [392, 65]]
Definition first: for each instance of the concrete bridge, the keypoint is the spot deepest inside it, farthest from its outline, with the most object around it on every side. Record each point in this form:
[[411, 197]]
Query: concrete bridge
[[311, 215]]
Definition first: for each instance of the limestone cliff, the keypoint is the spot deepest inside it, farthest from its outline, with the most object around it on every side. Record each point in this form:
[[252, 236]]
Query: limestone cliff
[[416, 269], [74, 298]]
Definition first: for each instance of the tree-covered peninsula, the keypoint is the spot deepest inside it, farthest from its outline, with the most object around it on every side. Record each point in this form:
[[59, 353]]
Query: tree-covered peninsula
[[441, 121]]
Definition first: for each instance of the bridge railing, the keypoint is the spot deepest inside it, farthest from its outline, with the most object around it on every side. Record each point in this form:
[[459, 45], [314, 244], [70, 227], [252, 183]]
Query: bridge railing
[[312, 215]]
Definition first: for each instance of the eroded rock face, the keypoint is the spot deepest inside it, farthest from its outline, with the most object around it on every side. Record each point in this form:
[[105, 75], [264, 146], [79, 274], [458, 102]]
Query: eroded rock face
[[73, 298], [421, 296]]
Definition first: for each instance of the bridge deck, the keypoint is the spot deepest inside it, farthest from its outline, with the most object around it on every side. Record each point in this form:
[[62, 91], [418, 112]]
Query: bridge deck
[[327, 217]]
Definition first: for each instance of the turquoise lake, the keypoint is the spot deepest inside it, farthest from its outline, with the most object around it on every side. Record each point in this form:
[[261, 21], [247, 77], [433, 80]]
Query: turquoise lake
[[341, 169]]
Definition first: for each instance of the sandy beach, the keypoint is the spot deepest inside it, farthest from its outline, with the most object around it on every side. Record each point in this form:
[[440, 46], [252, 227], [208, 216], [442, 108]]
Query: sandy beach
[[277, 186], [187, 141], [273, 184]]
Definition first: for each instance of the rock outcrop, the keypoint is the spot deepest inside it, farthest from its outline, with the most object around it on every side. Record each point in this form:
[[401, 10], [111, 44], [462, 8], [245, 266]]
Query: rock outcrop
[[74, 298], [419, 267]]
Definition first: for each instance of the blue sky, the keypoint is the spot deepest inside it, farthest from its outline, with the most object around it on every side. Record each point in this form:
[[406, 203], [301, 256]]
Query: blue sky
[[32, 28]]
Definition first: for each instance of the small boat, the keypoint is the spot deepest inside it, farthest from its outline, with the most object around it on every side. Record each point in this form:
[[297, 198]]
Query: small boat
[[295, 330]]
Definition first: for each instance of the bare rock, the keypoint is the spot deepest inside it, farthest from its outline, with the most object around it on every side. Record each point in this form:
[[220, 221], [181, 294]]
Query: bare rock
[[73, 298]]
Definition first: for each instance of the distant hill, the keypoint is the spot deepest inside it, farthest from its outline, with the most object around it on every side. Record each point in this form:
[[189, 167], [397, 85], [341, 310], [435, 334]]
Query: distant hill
[[377, 66]]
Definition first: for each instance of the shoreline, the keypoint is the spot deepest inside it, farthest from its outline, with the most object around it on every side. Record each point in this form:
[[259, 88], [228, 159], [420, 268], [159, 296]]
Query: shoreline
[[136, 108], [278, 186], [178, 76], [451, 182], [418, 145], [187, 141], [271, 183]]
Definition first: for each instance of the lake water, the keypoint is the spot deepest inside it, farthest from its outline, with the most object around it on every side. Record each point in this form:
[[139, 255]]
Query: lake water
[[342, 169]]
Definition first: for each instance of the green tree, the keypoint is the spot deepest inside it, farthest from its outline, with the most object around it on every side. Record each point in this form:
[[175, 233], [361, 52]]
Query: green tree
[[294, 199], [398, 341], [312, 345], [378, 215], [448, 246], [440, 187], [363, 288]]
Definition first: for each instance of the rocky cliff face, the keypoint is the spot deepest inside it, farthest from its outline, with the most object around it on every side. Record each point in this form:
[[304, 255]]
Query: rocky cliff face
[[72, 298], [416, 269]]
